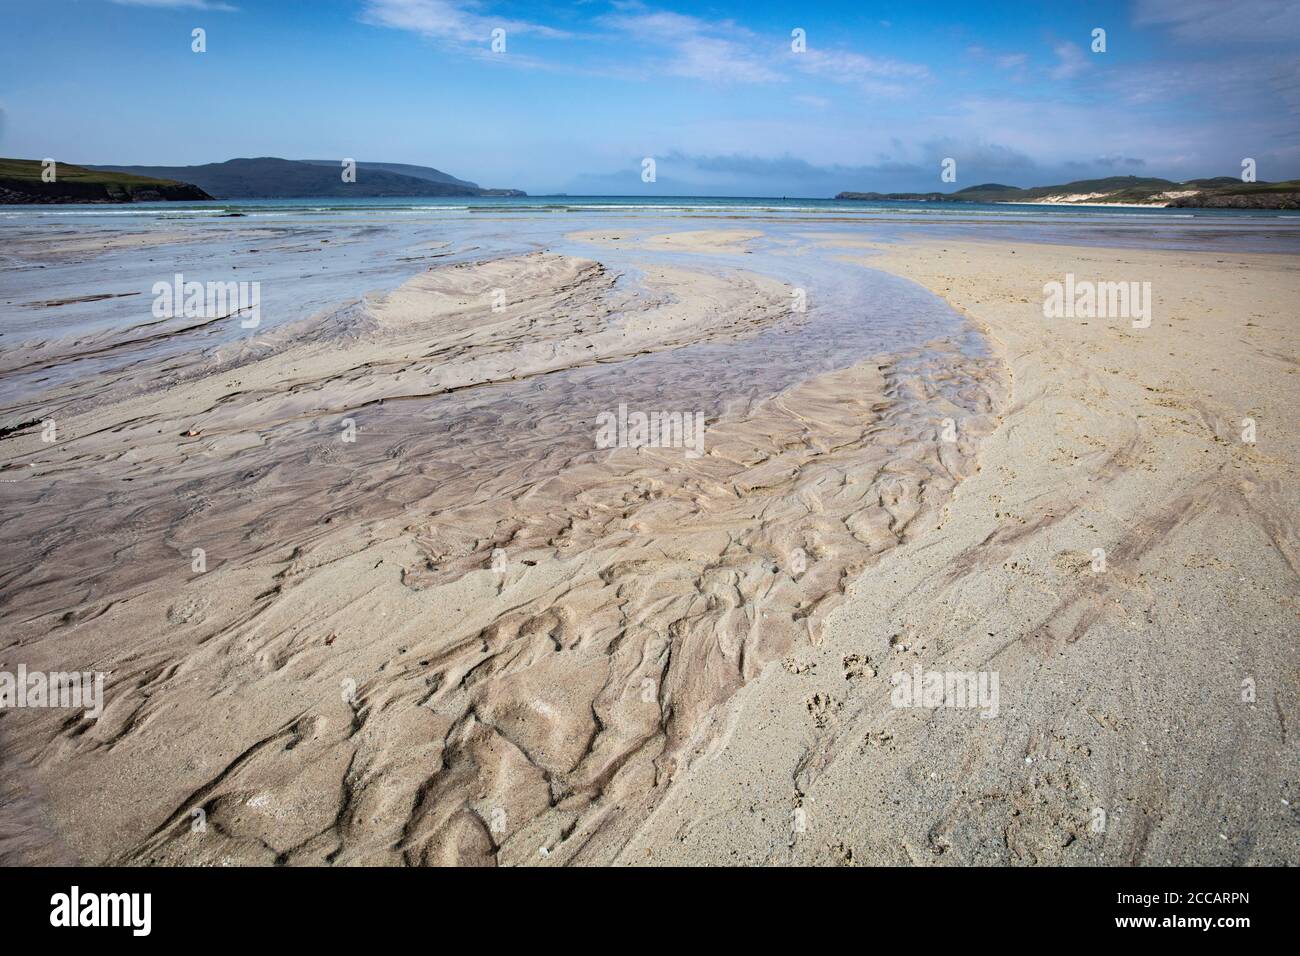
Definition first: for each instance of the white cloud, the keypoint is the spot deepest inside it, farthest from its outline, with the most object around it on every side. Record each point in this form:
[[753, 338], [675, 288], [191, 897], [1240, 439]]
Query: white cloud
[[448, 20], [875, 75], [698, 49], [690, 47], [1215, 86]]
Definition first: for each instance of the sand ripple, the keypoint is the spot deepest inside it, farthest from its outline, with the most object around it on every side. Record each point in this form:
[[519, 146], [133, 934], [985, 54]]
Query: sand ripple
[[469, 636]]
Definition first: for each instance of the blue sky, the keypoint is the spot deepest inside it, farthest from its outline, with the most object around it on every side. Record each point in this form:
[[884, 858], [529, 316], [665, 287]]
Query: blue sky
[[714, 92]]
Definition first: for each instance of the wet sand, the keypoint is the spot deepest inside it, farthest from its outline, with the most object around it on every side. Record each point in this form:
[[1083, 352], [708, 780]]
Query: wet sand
[[435, 623], [469, 636]]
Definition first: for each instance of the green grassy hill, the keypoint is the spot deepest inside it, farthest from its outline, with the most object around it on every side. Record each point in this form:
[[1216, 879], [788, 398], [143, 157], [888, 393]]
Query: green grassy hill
[[1218, 192], [21, 182]]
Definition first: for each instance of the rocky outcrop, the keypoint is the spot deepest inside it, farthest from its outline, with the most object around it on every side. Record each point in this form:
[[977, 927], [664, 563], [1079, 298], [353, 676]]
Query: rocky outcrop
[[1255, 200]]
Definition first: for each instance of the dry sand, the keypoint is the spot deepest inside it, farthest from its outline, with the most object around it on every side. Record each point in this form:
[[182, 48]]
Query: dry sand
[[1120, 691], [468, 637]]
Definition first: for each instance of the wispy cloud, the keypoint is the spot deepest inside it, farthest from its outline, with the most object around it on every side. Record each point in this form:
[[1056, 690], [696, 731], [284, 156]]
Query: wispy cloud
[[812, 102], [901, 168], [1218, 85], [879, 76], [978, 160], [719, 174], [697, 49], [178, 4], [654, 42], [1236, 66], [1115, 161], [1213, 21], [448, 20], [1070, 60]]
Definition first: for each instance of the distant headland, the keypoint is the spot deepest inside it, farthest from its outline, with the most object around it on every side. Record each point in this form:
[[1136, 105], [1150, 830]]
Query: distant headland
[[37, 181], [1223, 192]]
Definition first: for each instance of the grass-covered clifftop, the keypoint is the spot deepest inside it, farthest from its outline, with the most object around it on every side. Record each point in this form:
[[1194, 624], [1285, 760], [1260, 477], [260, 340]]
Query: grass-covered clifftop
[[21, 182]]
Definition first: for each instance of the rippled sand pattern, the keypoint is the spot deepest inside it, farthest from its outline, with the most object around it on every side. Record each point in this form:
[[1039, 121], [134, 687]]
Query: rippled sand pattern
[[468, 636]]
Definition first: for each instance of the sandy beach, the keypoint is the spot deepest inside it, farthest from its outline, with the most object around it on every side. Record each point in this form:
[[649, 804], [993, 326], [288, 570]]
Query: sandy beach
[[655, 436], [1162, 691], [367, 587]]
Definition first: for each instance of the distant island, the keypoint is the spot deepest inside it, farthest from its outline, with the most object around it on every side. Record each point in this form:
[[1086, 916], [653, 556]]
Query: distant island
[[21, 181], [263, 178], [1222, 192]]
